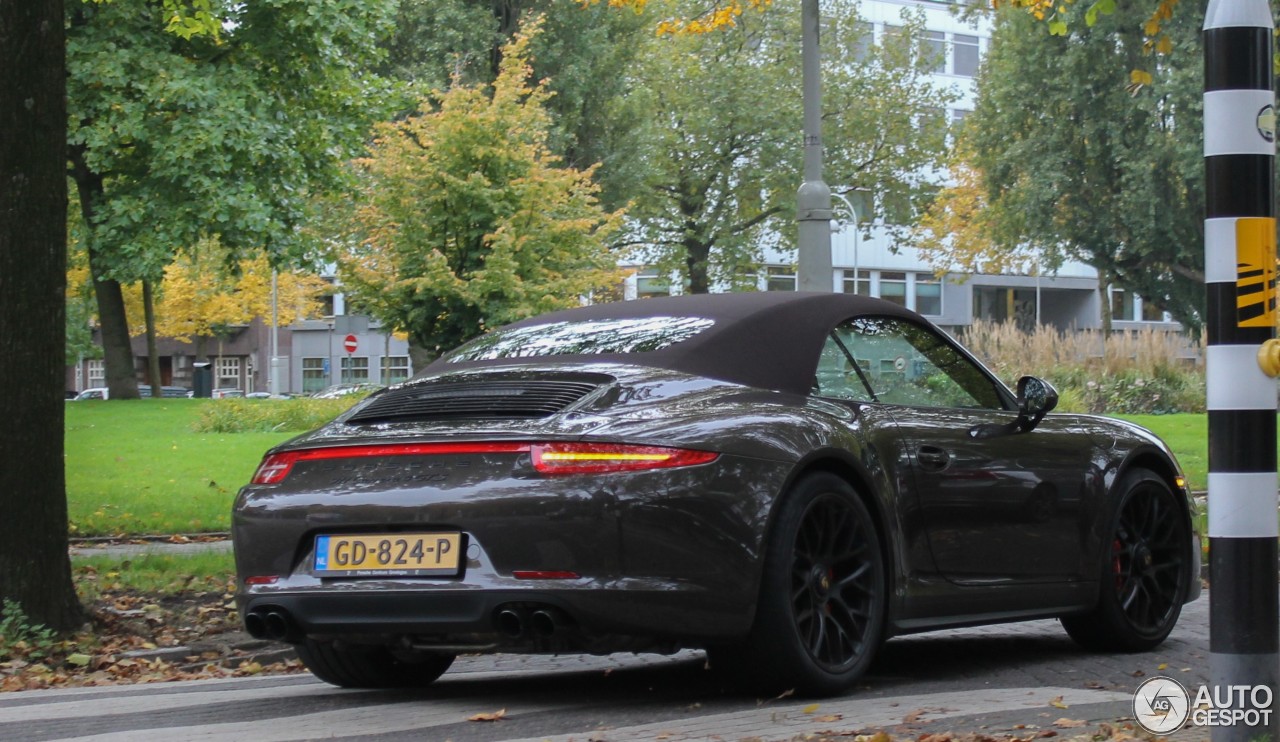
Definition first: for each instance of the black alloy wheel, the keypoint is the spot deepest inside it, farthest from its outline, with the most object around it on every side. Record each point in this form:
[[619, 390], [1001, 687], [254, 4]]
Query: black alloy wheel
[[821, 613], [833, 582], [371, 666], [1144, 575]]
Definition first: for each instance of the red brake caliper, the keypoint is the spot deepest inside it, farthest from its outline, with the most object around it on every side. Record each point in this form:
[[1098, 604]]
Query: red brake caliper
[[1116, 567]]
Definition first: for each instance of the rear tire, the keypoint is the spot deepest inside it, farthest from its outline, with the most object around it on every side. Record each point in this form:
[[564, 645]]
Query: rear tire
[[1144, 576], [821, 612], [371, 665]]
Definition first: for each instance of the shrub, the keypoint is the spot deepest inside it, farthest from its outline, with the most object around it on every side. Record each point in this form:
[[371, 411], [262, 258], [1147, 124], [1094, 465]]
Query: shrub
[[270, 415], [1144, 372], [22, 639]]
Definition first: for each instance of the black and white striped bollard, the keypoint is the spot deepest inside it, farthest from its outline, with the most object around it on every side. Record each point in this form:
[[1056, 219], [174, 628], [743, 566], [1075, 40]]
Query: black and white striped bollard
[[1240, 277]]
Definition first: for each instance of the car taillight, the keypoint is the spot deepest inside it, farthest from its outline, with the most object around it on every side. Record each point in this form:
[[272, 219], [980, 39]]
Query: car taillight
[[275, 467], [601, 458], [548, 458]]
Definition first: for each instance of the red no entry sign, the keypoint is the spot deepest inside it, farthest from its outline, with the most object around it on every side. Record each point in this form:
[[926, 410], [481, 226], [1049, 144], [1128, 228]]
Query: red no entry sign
[[349, 343]]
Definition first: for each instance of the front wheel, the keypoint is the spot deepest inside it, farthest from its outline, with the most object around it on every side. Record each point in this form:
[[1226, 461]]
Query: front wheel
[[821, 612], [1144, 570], [371, 666]]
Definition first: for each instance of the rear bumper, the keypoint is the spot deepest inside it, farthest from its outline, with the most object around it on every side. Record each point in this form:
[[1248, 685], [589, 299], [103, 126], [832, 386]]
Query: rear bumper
[[538, 619], [1194, 582]]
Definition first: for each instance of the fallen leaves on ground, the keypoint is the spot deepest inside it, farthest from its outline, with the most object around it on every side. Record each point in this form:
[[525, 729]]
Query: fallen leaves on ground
[[126, 631], [1118, 732], [498, 715], [914, 716]]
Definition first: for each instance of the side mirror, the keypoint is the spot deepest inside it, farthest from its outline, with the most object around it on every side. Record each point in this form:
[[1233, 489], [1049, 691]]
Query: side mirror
[[1036, 398]]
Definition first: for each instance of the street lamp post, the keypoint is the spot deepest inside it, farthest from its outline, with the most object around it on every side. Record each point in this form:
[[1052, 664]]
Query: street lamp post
[[813, 200], [273, 377], [853, 214]]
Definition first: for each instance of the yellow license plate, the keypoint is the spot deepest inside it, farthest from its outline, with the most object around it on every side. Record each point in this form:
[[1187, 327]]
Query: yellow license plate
[[394, 554]]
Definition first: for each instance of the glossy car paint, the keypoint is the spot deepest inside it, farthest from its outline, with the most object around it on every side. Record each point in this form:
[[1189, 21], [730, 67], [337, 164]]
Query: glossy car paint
[[1008, 527]]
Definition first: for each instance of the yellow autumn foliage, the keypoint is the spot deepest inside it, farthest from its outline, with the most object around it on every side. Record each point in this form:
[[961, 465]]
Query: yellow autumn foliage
[[957, 232], [718, 15], [200, 294]]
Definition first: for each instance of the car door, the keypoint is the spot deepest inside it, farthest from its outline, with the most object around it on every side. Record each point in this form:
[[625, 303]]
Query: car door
[[997, 505]]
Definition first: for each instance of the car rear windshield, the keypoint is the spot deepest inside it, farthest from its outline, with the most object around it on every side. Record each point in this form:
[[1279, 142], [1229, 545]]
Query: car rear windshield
[[591, 337]]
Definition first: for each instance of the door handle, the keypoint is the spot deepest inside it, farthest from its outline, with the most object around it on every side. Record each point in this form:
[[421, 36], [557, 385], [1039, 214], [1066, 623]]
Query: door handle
[[932, 458]]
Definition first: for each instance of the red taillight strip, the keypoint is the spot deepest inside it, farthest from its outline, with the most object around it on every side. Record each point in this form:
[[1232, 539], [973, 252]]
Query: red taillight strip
[[275, 467], [601, 458], [548, 458]]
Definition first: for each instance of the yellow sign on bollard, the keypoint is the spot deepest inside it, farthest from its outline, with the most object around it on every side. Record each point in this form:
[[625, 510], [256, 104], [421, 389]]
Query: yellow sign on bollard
[[1256, 272]]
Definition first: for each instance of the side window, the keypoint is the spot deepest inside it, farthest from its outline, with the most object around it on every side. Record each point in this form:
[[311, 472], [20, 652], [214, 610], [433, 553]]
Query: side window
[[906, 364], [836, 376]]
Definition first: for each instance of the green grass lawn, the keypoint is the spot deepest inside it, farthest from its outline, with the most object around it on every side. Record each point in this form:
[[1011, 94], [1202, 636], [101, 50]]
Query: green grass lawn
[[1188, 436], [137, 467], [154, 573]]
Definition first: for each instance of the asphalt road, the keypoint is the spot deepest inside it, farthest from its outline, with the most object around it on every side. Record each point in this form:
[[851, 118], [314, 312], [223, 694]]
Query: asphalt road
[[1009, 678]]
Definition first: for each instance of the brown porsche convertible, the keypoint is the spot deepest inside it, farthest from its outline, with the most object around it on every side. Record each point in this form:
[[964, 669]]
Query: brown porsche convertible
[[784, 479]]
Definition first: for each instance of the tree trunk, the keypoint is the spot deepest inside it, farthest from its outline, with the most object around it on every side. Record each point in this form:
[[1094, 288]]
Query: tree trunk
[[1104, 296], [117, 358], [697, 260], [153, 357], [117, 351], [35, 571]]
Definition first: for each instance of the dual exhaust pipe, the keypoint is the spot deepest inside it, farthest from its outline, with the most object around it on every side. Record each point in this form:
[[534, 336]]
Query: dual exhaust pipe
[[543, 623], [271, 622], [515, 622]]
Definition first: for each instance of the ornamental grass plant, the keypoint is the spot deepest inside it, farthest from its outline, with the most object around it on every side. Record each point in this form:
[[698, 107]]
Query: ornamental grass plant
[[1130, 372]]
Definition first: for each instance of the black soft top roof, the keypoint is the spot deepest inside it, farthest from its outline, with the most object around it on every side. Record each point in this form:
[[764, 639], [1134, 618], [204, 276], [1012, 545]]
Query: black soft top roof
[[768, 340]]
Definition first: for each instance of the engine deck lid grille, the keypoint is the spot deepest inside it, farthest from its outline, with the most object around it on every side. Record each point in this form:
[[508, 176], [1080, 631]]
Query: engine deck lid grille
[[489, 398]]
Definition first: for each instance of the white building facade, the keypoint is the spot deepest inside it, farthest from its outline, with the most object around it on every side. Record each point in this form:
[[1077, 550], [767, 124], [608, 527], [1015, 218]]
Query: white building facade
[[868, 260]]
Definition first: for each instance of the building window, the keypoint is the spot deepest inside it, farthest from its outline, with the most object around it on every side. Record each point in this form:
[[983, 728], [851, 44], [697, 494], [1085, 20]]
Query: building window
[[97, 373], [928, 294], [932, 119], [999, 304], [355, 370], [859, 285], [649, 283], [228, 373], [864, 203], [964, 55], [1127, 306], [395, 369], [780, 278], [314, 379], [936, 47], [864, 36], [1122, 305], [893, 287]]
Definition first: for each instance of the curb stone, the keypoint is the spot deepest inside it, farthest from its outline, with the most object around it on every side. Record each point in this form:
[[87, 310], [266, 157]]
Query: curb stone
[[240, 649]]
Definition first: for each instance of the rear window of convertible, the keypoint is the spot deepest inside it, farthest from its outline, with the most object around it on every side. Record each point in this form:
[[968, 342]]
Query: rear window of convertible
[[588, 337]]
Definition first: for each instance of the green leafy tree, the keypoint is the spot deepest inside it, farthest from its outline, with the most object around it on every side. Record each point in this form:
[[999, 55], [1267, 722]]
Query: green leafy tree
[[724, 141], [174, 136], [583, 55], [467, 220], [1080, 162]]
